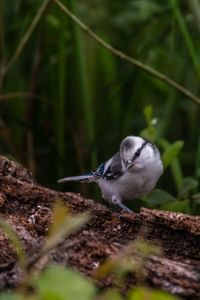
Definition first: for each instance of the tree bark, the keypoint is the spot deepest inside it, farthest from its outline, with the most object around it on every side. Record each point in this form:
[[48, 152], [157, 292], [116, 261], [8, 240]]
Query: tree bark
[[27, 207]]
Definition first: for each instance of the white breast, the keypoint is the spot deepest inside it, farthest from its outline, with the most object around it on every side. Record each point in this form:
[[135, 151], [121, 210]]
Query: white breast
[[136, 183]]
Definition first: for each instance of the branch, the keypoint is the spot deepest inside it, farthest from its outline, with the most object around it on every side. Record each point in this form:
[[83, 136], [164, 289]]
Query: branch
[[27, 207], [127, 58]]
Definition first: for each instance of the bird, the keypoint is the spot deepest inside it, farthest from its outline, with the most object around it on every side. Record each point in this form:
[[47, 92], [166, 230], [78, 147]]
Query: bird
[[131, 173]]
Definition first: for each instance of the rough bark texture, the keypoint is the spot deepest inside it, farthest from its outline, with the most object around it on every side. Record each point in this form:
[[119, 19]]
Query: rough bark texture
[[27, 207]]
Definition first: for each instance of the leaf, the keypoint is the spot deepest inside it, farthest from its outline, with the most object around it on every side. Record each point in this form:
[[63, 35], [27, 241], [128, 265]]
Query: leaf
[[52, 21], [171, 153], [107, 267], [148, 112], [10, 296], [179, 206], [62, 225], [111, 294], [189, 184], [60, 214], [58, 283], [159, 197], [149, 132], [143, 293]]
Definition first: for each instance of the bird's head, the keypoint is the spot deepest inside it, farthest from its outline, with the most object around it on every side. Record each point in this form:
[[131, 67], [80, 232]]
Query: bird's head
[[135, 151]]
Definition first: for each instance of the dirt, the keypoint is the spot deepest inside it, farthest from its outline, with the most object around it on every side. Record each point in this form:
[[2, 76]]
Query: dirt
[[27, 207]]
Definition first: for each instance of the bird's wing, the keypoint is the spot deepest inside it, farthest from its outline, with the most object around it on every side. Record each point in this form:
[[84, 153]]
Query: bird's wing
[[111, 169]]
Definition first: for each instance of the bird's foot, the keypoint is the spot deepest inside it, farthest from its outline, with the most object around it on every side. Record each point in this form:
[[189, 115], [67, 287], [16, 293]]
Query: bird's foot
[[117, 201]]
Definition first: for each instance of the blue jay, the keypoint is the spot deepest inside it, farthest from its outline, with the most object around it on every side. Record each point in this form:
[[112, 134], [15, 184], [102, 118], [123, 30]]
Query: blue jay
[[132, 172]]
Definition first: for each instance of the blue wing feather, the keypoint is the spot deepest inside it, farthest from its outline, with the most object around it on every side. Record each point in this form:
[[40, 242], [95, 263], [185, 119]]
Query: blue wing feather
[[99, 171], [111, 169]]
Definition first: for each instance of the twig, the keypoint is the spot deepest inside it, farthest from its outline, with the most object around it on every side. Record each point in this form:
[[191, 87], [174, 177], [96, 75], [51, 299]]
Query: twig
[[125, 57], [27, 35]]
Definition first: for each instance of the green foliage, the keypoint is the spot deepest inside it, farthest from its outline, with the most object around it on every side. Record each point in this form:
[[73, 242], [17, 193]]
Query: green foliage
[[143, 293], [186, 187], [129, 261], [159, 197], [189, 185], [150, 132], [111, 294], [63, 284], [171, 152], [10, 296], [178, 206], [62, 224]]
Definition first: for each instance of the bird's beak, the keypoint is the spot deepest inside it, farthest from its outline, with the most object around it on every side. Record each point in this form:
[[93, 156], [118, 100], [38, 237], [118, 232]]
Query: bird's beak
[[129, 164]]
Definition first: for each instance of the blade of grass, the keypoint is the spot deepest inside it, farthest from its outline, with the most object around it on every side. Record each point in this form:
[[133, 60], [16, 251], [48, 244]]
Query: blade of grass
[[107, 69], [171, 105], [186, 36], [195, 8], [62, 97], [83, 82]]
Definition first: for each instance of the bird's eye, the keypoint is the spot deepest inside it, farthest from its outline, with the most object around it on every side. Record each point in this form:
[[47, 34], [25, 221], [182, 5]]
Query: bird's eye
[[137, 153]]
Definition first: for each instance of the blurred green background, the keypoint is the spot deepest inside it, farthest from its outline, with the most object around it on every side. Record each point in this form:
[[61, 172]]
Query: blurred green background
[[66, 102]]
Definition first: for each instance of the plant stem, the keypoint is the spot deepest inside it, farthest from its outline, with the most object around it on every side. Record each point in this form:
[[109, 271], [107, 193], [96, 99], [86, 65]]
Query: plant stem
[[125, 57], [84, 85]]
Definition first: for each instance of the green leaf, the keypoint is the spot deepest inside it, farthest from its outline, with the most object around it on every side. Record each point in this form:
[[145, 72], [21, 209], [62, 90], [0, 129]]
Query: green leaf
[[171, 153], [111, 294], [189, 184], [143, 293], [57, 283], [63, 224], [148, 112], [10, 296], [179, 206], [53, 21], [149, 132], [159, 197]]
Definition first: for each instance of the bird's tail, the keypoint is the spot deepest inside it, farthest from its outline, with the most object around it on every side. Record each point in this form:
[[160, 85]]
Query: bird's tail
[[85, 177]]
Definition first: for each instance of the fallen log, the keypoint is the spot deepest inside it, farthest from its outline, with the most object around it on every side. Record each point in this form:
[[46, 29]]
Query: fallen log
[[27, 207]]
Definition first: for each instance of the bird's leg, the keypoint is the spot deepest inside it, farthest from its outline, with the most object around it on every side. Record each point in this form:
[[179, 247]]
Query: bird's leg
[[117, 201]]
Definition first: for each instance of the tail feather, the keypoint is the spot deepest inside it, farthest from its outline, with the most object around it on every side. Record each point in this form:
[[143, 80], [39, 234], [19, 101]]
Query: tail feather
[[85, 177]]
